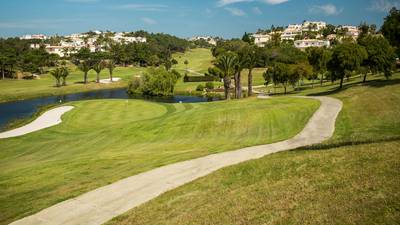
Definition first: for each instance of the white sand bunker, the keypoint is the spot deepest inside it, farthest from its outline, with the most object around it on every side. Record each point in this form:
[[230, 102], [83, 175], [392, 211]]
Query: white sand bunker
[[108, 81], [48, 119]]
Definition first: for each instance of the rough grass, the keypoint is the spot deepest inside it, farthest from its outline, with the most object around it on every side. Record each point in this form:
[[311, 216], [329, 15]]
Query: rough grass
[[102, 141], [346, 185], [351, 179]]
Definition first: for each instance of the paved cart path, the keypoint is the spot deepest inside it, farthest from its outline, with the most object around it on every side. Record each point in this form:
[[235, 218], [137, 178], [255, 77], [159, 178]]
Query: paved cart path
[[102, 204]]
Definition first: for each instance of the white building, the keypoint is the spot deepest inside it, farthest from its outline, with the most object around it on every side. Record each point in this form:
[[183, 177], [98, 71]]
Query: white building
[[291, 32], [261, 39], [121, 38], [313, 26], [34, 37], [208, 39], [306, 43], [352, 31]]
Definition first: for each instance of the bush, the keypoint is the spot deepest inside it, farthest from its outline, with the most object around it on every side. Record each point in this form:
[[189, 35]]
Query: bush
[[209, 85], [200, 87], [154, 82]]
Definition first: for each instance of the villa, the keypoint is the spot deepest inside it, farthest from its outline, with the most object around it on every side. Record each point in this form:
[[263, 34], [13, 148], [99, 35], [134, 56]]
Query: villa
[[261, 39], [34, 37], [208, 39], [306, 43], [314, 26], [292, 31]]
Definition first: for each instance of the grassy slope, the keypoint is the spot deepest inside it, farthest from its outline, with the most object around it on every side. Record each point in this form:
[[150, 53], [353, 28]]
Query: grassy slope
[[100, 142], [23, 89], [350, 179], [200, 60]]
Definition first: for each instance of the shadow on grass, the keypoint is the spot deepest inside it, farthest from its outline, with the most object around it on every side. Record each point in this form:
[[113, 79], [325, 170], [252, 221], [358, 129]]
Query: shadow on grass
[[378, 83], [327, 146]]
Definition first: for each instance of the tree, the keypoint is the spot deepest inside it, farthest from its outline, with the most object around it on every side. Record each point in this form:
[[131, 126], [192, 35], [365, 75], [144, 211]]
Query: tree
[[57, 73], [381, 57], [346, 58], [252, 60], [242, 62], [64, 74], [155, 82], [3, 60], [329, 29], [318, 58], [248, 38], [299, 71], [85, 66], [226, 64], [280, 73], [110, 64], [391, 29], [98, 66], [186, 64]]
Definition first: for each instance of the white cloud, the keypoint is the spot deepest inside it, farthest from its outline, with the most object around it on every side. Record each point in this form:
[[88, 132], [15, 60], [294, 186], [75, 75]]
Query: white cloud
[[143, 7], [275, 2], [257, 11], [236, 11], [148, 21], [383, 5], [328, 9], [222, 3], [82, 1]]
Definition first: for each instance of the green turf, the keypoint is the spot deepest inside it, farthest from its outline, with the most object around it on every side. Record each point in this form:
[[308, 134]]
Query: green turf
[[345, 185], [24, 89], [199, 61], [351, 179], [102, 141]]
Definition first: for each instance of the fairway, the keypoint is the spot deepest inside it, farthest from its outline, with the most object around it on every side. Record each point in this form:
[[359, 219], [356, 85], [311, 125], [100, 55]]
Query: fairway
[[350, 179], [24, 89], [102, 141], [199, 61]]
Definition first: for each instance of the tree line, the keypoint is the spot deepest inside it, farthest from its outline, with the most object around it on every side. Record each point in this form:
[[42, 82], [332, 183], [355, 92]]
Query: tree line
[[286, 65]]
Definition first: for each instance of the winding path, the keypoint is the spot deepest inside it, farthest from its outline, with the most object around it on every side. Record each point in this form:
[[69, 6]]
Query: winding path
[[47, 119], [102, 204]]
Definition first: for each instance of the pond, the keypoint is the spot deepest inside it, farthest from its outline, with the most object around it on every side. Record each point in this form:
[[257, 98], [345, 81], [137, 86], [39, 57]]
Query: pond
[[11, 111]]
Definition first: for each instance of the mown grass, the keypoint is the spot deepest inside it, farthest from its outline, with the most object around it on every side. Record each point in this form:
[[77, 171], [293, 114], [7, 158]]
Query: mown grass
[[10, 90], [102, 141], [351, 179], [24, 89]]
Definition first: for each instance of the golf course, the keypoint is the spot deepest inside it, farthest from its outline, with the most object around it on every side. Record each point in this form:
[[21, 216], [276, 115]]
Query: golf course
[[100, 142]]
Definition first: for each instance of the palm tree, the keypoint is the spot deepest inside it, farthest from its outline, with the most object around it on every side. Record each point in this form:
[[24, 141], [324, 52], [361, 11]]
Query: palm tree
[[57, 75], [226, 64], [111, 67], [242, 61], [186, 62], [251, 63], [85, 66], [98, 67], [64, 74]]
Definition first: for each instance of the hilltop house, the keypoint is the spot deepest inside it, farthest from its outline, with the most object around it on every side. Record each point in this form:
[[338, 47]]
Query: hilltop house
[[306, 43], [208, 39], [261, 39]]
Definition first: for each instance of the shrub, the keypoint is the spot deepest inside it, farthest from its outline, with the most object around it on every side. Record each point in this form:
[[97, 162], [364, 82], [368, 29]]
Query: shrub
[[210, 85], [200, 87], [155, 81]]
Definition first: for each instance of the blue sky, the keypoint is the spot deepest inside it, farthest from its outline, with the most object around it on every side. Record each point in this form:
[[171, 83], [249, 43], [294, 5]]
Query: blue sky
[[184, 18]]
